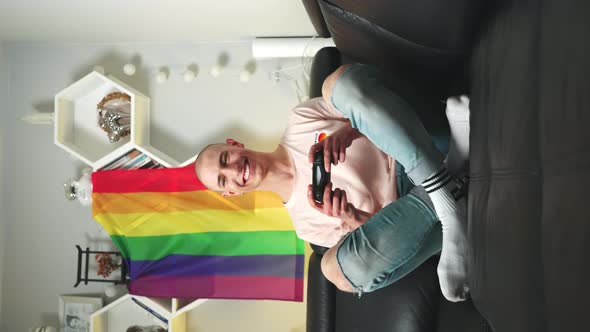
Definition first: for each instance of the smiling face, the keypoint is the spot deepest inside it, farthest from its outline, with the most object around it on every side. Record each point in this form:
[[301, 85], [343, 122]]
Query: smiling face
[[229, 168]]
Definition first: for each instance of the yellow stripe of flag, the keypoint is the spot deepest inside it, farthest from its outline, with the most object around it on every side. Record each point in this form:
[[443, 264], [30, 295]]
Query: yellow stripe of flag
[[195, 221]]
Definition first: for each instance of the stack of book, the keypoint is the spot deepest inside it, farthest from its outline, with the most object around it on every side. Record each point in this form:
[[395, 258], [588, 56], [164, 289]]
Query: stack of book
[[134, 159]]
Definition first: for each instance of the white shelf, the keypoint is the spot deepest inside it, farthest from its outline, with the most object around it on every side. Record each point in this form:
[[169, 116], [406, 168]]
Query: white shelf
[[77, 131], [183, 306], [125, 312]]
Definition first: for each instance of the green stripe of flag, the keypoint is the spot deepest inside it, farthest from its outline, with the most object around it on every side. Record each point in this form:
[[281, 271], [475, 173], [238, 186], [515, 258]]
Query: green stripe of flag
[[211, 243]]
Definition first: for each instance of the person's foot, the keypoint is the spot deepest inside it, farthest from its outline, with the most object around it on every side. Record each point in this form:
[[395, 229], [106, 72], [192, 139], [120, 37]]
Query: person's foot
[[452, 267], [450, 206], [458, 116]]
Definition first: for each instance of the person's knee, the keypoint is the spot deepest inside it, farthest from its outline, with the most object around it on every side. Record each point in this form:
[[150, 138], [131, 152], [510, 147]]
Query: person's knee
[[331, 270], [330, 81]]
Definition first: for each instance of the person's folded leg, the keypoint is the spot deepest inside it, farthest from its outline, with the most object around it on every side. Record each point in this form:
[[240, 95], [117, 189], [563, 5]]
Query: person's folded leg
[[394, 242], [390, 123], [387, 120]]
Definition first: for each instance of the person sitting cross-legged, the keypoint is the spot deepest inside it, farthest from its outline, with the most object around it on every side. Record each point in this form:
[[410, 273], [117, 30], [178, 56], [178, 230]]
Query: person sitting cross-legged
[[381, 217]]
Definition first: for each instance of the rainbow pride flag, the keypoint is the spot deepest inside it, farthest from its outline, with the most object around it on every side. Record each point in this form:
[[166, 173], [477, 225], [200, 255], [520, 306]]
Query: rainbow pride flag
[[181, 240]]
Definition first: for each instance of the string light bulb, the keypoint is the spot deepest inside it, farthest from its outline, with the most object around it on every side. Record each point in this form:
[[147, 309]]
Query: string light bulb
[[129, 69], [248, 71]]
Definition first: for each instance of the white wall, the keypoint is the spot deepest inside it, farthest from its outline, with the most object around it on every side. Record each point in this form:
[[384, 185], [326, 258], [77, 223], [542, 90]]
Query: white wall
[[150, 20], [3, 104], [41, 227], [263, 316]]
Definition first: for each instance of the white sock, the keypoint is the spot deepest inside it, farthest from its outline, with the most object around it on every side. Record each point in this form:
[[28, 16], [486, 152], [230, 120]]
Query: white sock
[[450, 206], [458, 116]]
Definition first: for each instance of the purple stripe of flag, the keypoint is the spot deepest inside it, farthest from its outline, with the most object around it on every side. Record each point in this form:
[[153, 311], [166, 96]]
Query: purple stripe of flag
[[220, 287], [289, 266]]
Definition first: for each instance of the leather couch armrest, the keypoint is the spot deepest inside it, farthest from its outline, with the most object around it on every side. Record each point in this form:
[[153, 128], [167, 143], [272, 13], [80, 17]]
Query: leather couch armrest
[[321, 296], [325, 62], [317, 18]]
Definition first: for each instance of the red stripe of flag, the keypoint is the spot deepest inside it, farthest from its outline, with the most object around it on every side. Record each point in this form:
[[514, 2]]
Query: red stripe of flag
[[147, 180]]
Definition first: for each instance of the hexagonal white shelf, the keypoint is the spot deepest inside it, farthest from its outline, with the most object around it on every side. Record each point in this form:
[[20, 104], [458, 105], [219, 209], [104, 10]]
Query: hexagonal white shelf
[[139, 310], [77, 131]]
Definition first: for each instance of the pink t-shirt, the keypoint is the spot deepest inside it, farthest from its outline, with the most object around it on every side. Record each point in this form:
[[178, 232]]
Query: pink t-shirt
[[367, 175]]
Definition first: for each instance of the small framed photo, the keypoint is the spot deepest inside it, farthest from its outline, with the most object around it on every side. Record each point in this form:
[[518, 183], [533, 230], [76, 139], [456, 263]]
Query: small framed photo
[[75, 311]]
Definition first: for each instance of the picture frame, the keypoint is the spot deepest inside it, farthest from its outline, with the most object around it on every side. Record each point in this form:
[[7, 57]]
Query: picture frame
[[75, 311]]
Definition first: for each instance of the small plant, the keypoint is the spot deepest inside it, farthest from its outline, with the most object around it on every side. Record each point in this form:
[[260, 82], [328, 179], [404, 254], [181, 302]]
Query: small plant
[[106, 264]]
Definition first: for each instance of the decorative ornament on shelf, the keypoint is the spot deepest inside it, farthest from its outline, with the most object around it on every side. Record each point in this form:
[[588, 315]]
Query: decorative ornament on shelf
[[80, 189], [114, 115], [107, 264]]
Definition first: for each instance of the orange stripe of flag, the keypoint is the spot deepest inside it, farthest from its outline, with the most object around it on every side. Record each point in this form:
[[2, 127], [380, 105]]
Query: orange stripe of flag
[[149, 202]]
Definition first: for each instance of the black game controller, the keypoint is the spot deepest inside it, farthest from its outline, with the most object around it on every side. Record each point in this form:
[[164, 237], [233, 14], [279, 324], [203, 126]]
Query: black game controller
[[320, 177]]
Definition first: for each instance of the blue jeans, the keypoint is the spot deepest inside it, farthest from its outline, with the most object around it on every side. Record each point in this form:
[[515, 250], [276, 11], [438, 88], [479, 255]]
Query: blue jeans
[[405, 233]]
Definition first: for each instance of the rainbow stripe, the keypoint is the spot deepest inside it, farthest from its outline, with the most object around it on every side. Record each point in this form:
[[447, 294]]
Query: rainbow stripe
[[181, 240]]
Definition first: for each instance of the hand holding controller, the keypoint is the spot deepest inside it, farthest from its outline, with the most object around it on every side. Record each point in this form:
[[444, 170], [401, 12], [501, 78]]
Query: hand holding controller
[[320, 177]]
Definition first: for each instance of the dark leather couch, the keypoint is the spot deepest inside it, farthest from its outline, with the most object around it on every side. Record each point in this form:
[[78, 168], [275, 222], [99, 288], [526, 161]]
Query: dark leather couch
[[529, 229], [413, 304]]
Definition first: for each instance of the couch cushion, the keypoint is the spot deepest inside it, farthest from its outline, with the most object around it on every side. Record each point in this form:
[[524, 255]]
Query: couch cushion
[[530, 162]]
